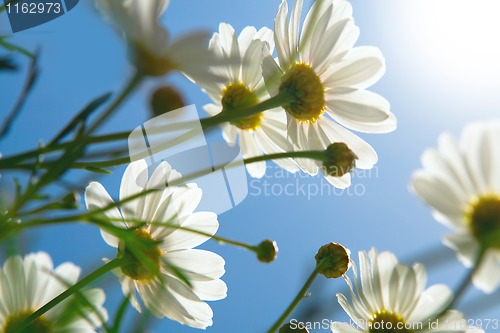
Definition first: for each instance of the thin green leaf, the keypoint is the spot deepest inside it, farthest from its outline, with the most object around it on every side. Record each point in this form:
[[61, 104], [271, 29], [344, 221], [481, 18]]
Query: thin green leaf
[[30, 80], [81, 117], [97, 170], [15, 48]]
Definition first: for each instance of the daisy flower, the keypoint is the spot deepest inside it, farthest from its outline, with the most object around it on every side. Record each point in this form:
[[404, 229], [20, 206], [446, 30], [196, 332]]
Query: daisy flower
[[29, 283], [392, 298], [328, 77], [170, 206], [152, 52], [461, 183], [263, 133]]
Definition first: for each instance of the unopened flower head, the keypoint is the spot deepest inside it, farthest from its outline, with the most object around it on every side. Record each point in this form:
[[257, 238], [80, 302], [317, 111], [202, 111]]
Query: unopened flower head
[[461, 182], [165, 246], [152, 52], [165, 99], [263, 133], [327, 77], [392, 298], [29, 283], [267, 251], [332, 260], [339, 160]]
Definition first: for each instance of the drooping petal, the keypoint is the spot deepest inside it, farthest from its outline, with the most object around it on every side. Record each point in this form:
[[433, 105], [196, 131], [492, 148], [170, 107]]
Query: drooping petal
[[487, 276], [96, 197]]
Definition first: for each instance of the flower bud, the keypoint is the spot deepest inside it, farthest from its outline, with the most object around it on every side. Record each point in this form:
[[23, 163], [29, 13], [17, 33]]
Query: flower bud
[[287, 328], [339, 159], [70, 201], [166, 99], [267, 251], [332, 260]]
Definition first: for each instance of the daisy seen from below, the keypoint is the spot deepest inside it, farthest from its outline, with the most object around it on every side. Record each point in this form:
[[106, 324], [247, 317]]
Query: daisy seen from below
[[328, 78], [29, 283], [461, 182], [392, 298], [263, 133], [151, 50], [167, 207]]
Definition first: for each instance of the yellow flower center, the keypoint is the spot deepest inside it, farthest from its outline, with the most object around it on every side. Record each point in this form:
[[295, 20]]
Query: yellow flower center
[[40, 325], [237, 97], [483, 215], [385, 322], [137, 268], [302, 82]]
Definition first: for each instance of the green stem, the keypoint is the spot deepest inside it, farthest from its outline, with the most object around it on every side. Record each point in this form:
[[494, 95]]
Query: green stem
[[11, 161], [131, 85], [119, 315], [295, 302], [281, 99], [15, 48], [67, 293], [142, 322], [276, 101], [214, 237], [462, 287], [312, 154]]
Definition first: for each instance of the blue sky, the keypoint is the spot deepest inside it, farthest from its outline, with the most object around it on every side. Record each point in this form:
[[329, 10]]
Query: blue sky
[[441, 74]]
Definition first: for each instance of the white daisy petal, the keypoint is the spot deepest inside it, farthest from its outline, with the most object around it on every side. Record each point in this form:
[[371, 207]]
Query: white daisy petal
[[432, 301], [229, 133], [245, 38], [250, 148], [27, 284], [197, 265], [251, 73], [487, 276], [212, 109], [205, 222], [392, 292], [134, 181], [438, 194], [361, 110], [293, 33], [361, 68], [229, 43], [212, 290], [331, 48], [272, 74], [169, 208], [465, 245], [281, 36], [267, 35], [328, 35], [96, 197]]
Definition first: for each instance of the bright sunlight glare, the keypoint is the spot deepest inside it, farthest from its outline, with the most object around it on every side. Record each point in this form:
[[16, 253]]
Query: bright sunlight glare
[[459, 38]]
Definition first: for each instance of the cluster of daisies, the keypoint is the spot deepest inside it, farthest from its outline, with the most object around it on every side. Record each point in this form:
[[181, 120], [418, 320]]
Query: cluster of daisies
[[316, 64]]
